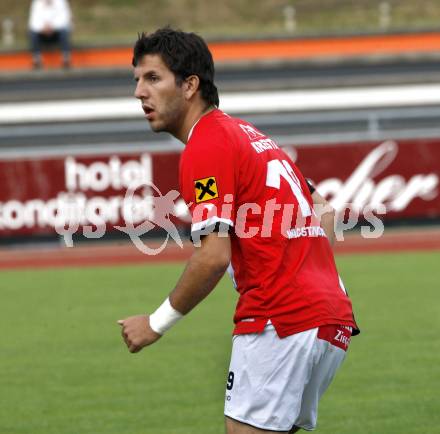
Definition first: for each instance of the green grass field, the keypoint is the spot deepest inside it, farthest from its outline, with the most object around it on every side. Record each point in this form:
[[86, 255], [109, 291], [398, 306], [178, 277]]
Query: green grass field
[[64, 369]]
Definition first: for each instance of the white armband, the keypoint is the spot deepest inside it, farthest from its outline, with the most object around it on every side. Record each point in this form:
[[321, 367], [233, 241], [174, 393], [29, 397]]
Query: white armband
[[164, 317]]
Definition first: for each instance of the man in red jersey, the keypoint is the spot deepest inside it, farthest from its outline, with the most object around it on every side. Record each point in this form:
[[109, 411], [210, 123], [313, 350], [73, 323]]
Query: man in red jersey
[[252, 213]]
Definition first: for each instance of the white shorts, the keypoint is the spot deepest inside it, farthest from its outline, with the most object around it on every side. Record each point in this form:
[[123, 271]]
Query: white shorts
[[275, 384]]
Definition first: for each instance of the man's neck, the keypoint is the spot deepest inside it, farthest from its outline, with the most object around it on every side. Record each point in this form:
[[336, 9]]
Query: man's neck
[[191, 119]]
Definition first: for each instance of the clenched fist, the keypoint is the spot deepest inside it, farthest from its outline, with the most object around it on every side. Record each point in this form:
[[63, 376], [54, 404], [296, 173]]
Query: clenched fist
[[137, 333]]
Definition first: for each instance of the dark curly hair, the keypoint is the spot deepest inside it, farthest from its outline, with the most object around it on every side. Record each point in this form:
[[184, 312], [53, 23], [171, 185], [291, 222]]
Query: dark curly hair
[[185, 54]]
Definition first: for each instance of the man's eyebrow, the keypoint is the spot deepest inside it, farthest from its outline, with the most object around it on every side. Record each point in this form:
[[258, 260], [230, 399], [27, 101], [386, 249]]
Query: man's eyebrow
[[150, 73], [147, 74]]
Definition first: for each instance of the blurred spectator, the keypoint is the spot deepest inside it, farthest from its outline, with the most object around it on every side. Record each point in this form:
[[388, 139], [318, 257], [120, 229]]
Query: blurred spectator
[[50, 23]]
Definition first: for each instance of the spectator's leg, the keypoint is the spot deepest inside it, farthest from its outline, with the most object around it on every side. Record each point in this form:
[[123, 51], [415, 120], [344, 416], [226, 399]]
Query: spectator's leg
[[36, 49], [64, 36]]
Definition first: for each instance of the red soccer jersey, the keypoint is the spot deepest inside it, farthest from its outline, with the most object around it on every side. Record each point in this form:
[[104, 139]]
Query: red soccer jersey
[[282, 263]]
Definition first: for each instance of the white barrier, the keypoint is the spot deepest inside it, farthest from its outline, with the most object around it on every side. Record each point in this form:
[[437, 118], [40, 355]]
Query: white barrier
[[233, 103]]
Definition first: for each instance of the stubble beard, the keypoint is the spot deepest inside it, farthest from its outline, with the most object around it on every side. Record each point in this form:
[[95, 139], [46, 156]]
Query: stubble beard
[[171, 118]]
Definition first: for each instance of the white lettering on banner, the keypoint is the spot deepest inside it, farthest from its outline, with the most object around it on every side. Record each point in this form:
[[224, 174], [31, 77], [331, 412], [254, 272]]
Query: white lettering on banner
[[100, 176], [393, 191], [72, 207], [362, 193]]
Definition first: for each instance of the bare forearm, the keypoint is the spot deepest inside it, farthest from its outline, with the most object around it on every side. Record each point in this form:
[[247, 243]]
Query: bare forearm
[[327, 215], [197, 281], [205, 268], [202, 273], [327, 223]]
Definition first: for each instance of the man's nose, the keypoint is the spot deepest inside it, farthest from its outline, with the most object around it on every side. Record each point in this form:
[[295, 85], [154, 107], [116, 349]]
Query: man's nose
[[140, 91]]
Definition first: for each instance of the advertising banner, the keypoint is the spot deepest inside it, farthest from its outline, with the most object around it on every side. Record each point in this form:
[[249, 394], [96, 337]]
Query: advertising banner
[[37, 195]]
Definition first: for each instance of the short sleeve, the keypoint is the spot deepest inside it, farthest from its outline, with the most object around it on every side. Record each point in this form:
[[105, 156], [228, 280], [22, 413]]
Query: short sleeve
[[207, 183]]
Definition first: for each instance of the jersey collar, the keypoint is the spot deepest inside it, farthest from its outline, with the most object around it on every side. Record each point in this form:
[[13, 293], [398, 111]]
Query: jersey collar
[[197, 121]]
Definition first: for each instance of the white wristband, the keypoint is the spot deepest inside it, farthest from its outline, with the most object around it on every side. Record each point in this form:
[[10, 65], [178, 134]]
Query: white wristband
[[164, 317]]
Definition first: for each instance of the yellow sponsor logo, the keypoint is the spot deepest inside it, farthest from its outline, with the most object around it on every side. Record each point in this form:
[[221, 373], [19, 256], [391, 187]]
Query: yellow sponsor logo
[[205, 189]]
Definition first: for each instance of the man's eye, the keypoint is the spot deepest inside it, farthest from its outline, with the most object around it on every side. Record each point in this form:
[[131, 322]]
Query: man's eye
[[154, 78]]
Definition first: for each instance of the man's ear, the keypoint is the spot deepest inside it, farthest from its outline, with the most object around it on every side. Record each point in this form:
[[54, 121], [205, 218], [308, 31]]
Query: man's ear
[[190, 86]]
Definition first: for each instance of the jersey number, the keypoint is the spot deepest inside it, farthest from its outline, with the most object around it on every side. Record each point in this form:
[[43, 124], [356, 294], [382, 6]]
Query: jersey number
[[230, 383], [276, 170]]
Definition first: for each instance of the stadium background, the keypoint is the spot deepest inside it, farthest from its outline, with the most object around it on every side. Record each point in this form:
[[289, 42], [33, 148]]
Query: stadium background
[[350, 89]]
